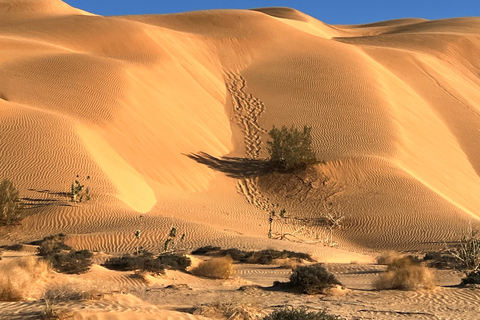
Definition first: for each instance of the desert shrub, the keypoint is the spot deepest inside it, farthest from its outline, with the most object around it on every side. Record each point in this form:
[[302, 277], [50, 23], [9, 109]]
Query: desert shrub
[[216, 268], [21, 278], [299, 314], [205, 250], [51, 245], [268, 256], [388, 257], [405, 274], [10, 210], [467, 251], [128, 263], [472, 277], [291, 149], [174, 261], [13, 247], [261, 257], [73, 262], [312, 279], [229, 310]]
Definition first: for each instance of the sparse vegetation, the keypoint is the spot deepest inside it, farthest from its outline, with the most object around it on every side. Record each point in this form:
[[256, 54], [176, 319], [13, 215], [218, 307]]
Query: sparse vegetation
[[52, 249], [467, 251], [79, 192], [267, 256], [216, 268], [472, 277], [312, 279], [405, 274], [21, 278], [73, 262], [291, 149], [299, 314], [229, 310], [274, 215], [146, 262], [171, 242], [51, 245], [10, 209]]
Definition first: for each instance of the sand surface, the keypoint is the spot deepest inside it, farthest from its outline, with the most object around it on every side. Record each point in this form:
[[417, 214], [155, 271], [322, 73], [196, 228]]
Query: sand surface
[[394, 110]]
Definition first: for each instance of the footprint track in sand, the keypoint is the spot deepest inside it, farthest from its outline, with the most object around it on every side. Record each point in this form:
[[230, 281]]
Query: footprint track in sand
[[247, 110]]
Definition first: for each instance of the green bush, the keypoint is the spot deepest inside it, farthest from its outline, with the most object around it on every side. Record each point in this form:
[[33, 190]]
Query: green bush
[[291, 149], [299, 314], [10, 210], [73, 262], [312, 279]]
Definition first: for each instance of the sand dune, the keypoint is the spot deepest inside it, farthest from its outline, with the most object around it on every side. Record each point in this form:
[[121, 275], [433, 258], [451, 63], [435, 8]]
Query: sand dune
[[393, 106]]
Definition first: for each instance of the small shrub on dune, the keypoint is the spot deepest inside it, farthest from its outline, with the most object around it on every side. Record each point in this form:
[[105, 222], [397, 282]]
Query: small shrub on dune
[[73, 262], [174, 261], [52, 244], [299, 314], [312, 279], [22, 278], [134, 263], [472, 277], [405, 274], [216, 268], [10, 209]]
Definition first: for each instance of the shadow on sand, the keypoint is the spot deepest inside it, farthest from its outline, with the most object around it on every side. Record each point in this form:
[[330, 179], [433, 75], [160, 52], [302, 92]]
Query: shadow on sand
[[235, 167]]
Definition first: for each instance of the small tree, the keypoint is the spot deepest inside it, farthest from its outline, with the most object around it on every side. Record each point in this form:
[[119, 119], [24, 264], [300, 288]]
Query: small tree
[[9, 203], [291, 149]]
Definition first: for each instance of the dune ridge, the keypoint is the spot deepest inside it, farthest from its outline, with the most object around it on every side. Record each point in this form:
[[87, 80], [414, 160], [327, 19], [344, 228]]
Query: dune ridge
[[393, 106]]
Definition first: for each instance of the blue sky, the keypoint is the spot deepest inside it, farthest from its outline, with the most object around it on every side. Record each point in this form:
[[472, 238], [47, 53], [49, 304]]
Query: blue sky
[[329, 11]]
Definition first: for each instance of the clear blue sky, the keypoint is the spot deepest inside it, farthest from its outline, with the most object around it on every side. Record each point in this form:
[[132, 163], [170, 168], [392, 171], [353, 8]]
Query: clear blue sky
[[329, 11]]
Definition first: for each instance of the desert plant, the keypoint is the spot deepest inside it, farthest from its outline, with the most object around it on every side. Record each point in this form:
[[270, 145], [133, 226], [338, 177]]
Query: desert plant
[[229, 310], [22, 278], [171, 242], [73, 262], [272, 216], [405, 274], [467, 251], [79, 192], [291, 149], [10, 209], [472, 277], [144, 263], [216, 268], [52, 244], [333, 220], [312, 279], [299, 314], [174, 261]]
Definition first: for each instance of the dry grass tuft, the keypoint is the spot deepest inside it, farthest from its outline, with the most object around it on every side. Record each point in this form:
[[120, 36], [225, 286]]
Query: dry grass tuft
[[216, 268], [22, 278], [230, 310], [405, 274], [388, 257]]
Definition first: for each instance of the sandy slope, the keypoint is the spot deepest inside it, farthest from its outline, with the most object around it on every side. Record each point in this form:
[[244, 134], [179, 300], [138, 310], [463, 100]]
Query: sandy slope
[[393, 106]]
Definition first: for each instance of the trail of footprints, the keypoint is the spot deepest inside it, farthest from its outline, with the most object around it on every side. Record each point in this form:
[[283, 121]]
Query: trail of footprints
[[247, 109]]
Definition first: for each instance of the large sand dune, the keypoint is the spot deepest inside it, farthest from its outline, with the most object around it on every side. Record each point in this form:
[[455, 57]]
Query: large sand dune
[[394, 108]]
